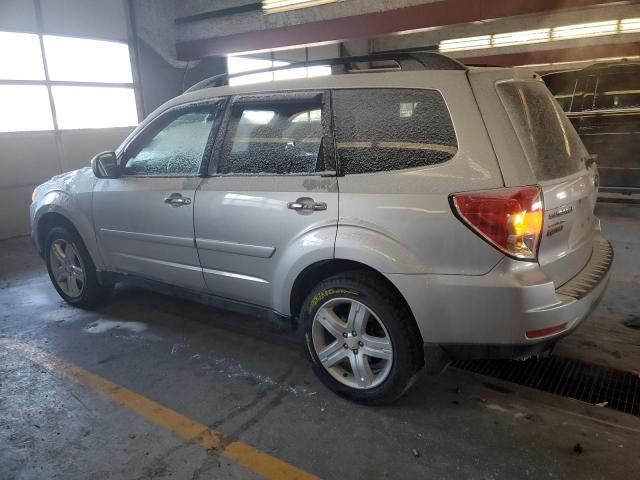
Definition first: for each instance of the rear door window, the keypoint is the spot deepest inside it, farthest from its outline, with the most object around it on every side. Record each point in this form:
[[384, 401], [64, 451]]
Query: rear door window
[[391, 129], [278, 135], [550, 143]]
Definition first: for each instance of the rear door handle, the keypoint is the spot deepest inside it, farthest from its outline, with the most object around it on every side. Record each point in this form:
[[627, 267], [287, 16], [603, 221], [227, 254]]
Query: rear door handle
[[177, 200], [306, 205]]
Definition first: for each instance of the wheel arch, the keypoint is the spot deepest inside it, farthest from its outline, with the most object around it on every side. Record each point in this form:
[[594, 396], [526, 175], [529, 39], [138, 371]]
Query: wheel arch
[[318, 271], [51, 216], [51, 220]]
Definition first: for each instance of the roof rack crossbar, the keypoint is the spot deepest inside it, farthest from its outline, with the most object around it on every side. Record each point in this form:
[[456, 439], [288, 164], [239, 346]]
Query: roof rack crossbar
[[406, 61]]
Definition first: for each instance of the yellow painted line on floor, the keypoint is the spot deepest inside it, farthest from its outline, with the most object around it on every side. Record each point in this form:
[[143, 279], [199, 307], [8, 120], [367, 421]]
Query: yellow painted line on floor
[[241, 453]]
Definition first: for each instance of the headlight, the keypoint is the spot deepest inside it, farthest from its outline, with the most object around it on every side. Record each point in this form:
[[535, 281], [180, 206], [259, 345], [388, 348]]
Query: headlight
[[34, 194]]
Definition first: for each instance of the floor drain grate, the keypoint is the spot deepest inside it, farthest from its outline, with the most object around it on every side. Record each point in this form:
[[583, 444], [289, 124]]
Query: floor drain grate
[[587, 382]]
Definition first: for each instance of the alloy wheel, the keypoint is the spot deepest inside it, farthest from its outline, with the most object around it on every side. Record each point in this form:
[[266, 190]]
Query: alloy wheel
[[352, 343], [67, 267]]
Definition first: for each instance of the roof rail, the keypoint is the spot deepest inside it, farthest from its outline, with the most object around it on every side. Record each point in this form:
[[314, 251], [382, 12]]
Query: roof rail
[[404, 60]]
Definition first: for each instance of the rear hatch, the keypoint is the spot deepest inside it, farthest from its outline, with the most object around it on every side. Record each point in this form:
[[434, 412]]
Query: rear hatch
[[555, 159]]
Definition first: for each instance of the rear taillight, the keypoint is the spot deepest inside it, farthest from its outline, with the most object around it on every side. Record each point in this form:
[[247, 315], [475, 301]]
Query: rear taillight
[[510, 219]]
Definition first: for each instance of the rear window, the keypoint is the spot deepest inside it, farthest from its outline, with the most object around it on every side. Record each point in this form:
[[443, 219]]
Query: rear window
[[392, 129], [548, 139]]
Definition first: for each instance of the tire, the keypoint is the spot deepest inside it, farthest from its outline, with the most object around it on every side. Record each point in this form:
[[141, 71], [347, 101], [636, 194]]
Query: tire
[[87, 292], [386, 349]]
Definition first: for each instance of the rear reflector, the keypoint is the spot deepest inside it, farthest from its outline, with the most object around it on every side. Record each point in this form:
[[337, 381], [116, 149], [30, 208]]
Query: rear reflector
[[545, 332], [510, 219]]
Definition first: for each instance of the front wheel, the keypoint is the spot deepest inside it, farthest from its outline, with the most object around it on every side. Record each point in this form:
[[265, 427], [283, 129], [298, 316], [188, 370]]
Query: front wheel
[[71, 269], [361, 338]]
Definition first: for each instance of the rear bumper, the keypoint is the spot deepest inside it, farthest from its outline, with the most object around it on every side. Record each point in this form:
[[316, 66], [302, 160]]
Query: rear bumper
[[490, 316]]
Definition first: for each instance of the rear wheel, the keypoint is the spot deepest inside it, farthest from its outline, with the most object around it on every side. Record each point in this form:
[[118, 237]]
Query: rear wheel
[[71, 269], [361, 338]]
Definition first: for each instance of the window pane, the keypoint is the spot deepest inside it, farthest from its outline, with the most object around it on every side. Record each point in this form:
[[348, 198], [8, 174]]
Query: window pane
[[618, 91], [279, 138], [95, 107], [562, 86], [82, 60], [20, 57], [246, 64], [24, 108], [177, 149], [242, 64], [251, 78], [319, 71], [384, 129], [290, 73], [578, 97]]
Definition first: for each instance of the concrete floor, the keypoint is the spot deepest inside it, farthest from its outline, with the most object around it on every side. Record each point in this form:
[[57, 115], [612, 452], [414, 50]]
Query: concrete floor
[[250, 381]]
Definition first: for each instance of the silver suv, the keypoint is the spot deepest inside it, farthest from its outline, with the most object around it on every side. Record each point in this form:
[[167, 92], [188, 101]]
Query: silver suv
[[400, 218]]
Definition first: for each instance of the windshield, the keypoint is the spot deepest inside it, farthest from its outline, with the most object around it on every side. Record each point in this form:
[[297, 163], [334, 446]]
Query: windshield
[[548, 139]]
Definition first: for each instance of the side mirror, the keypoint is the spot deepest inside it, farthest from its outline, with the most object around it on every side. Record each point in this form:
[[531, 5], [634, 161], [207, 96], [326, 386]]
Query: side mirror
[[105, 165]]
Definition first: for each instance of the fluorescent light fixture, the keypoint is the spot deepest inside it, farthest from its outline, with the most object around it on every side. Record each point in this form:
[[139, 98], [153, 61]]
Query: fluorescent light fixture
[[565, 32], [583, 30], [521, 38], [629, 25], [467, 43], [276, 6]]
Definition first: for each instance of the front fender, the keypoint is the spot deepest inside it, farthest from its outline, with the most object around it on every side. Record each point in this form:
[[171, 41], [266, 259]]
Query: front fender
[[77, 211]]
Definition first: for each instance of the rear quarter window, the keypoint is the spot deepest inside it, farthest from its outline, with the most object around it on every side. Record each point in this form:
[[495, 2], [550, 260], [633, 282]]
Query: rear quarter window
[[550, 143], [391, 129]]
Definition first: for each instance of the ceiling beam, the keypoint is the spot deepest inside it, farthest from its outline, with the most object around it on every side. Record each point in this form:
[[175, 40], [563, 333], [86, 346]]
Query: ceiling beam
[[369, 25]]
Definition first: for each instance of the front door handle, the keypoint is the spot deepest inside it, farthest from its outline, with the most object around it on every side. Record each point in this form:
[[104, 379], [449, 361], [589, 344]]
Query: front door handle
[[177, 200], [306, 205]]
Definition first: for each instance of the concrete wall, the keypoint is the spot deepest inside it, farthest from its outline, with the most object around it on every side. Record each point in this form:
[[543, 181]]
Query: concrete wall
[[29, 158], [256, 21], [161, 76], [162, 80]]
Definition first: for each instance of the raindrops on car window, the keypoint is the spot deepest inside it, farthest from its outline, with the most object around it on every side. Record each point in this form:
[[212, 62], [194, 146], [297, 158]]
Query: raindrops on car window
[[177, 149], [550, 142], [280, 137], [392, 129]]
